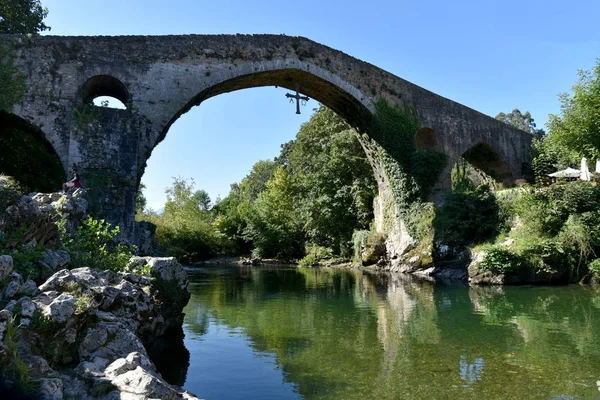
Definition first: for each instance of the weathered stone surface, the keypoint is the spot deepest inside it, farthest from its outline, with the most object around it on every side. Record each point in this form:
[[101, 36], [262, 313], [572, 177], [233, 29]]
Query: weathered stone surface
[[51, 389], [6, 266], [11, 289], [161, 77], [29, 288], [55, 259], [61, 308], [5, 318]]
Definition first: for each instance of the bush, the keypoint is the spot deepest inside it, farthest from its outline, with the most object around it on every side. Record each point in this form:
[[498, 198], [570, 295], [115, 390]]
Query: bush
[[94, 246], [315, 254], [594, 268], [499, 259], [469, 217]]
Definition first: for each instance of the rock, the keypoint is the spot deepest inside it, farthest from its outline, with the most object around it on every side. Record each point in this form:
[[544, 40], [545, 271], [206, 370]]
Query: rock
[[29, 288], [133, 360], [144, 385], [55, 259], [5, 318], [61, 308], [27, 307], [51, 389], [95, 367], [6, 266], [10, 305], [96, 336], [12, 289]]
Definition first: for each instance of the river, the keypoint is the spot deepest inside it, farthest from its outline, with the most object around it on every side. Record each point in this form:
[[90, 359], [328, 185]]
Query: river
[[297, 333]]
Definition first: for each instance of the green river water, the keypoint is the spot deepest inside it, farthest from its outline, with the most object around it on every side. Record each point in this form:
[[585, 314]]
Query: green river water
[[296, 333]]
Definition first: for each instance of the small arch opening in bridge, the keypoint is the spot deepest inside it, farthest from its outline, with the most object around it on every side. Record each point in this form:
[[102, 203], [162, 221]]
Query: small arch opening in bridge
[[27, 156], [479, 165], [105, 91], [426, 139]]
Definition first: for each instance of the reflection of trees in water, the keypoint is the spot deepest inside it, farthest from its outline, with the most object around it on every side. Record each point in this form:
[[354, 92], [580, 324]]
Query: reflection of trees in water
[[355, 335], [170, 356]]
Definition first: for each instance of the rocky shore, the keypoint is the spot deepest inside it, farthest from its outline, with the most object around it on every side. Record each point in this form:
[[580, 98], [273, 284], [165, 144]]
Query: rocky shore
[[79, 332]]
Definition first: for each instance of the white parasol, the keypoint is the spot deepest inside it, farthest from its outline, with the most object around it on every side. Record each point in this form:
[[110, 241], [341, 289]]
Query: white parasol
[[585, 172], [566, 173]]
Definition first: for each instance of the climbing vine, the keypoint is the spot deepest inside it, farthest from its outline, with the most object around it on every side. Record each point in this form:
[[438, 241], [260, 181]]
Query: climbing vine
[[12, 81], [412, 173]]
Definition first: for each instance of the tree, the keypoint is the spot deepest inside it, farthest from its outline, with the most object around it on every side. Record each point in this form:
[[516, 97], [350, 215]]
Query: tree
[[140, 199], [22, 16], [521, 121], [577, 128], [334, 179]]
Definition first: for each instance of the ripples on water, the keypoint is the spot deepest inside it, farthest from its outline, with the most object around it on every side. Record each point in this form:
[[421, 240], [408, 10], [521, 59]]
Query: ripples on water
[[265, 333]]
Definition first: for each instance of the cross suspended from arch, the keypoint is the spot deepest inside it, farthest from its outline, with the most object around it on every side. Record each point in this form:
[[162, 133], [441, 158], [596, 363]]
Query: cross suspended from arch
[[298, 98]]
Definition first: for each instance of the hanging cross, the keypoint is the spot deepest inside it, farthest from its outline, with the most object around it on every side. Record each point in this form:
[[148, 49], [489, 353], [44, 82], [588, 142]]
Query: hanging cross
[[297, 97]]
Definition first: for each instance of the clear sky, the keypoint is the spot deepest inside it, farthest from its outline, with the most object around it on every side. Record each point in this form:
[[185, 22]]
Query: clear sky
[[489, 55]]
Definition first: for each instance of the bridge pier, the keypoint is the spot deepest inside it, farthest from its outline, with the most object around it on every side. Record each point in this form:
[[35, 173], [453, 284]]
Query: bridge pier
[[104, 147]]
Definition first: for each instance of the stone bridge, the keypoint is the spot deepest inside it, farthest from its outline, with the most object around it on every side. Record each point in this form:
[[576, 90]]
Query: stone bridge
[[159, 78]]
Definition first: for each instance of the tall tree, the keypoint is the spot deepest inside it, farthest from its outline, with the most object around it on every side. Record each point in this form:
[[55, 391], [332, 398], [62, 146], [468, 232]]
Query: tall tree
[[520, 121], [22, 16], [577, 128]]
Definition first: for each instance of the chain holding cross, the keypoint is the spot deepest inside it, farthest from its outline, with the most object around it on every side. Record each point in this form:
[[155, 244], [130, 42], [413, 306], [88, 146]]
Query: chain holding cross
[[298, 98]]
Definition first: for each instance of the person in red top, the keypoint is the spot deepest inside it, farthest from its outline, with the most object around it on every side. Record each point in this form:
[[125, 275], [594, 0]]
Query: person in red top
[[73, 182]]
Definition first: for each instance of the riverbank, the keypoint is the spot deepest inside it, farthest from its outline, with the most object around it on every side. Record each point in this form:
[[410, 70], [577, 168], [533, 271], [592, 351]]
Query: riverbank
[[73, 331]]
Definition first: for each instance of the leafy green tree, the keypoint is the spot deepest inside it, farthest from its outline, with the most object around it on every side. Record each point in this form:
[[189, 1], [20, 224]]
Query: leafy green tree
[[577, 128], [185, 227], [256, 181], [22, 16], [335, 181], [520, 121], [274, 223], [140, 199]]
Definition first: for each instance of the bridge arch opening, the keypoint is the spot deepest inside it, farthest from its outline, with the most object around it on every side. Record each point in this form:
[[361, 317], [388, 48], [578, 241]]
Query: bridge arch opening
[[481, 164], [350, 108], [28, 156], [105, 91], [426, 139]]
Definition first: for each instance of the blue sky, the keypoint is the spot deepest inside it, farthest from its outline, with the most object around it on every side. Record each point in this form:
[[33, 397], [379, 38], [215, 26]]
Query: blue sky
[[490, 55]]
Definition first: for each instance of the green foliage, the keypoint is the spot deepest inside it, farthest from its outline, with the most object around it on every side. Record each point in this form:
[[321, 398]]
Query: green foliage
[[577, 128], [84, 303], [274, 223], [369, 246], [85, 115], [411, 173], [26, 261], [40, 323], [558, 227], [94, 246], [12, 81], [499, 259], [334, 180], [520, 121], [140, 199], [594, 268], [315, 255], [22, 16], [469, 217], [185, 228]]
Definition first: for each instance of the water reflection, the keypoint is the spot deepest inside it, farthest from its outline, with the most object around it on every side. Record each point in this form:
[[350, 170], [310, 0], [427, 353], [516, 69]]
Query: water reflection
[[335, 334]]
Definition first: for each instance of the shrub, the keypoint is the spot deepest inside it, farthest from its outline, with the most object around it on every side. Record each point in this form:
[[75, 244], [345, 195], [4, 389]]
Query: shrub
[[499, 259], [94, 245], [594, 268], [469, 217], [315, 254]]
